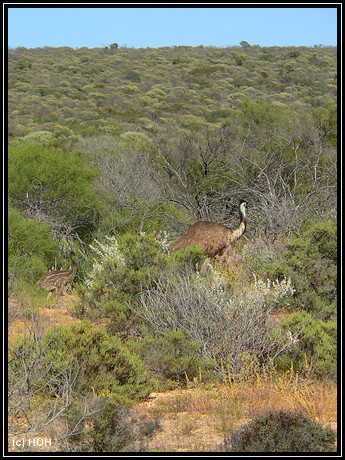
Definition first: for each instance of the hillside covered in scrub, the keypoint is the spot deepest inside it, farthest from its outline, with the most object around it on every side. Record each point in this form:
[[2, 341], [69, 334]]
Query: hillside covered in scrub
[[113, 152]]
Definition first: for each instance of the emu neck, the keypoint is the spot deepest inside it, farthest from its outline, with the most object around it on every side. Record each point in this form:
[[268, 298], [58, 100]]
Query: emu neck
[[237, 232], [243, 216]]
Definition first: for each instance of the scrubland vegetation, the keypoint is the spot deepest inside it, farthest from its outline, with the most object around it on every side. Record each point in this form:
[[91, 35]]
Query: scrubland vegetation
[[112, 153]]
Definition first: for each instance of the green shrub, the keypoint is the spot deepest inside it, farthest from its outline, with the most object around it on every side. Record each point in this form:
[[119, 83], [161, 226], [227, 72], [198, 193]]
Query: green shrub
[[191, 257], [312, 259], [41, 137], [123, 266], [317, 342], [173, 358], [213, 116], [85, 381], [142, 252], [31, 247], [281, 432], [102, 362], [113, 428], [132, 75], [108, 364], [309, 258]]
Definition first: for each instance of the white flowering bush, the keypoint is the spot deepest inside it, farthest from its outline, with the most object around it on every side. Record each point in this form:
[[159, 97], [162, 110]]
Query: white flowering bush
[[121, 267], [272, 292], [106, 253], [164, 239]]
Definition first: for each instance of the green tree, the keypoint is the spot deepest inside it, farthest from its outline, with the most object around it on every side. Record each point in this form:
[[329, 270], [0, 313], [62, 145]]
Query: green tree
[[54, 186], [244, 44]]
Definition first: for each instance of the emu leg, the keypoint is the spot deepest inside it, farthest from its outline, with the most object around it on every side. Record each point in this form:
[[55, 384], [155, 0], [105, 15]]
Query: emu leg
[[205, 265]]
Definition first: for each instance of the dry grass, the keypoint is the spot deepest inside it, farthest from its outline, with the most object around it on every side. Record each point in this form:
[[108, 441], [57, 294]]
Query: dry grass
[[24, 317], [196, 420]]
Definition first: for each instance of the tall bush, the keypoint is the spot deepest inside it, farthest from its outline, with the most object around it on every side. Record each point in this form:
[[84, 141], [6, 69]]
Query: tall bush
[[31, 247], [233, 328]]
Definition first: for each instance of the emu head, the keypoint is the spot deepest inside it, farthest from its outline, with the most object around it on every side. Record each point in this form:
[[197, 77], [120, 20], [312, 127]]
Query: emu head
[[243, 209]]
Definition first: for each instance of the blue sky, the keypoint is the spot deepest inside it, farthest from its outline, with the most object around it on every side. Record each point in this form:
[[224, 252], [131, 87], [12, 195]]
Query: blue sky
[[152, 27]]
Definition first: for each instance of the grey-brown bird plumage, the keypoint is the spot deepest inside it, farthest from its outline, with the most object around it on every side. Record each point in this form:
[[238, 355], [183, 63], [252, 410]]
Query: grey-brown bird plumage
[[211, 237], [56, 279]]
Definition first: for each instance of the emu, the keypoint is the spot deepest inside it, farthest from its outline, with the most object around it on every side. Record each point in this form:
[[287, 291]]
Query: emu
[[212, 238], [56, 279]]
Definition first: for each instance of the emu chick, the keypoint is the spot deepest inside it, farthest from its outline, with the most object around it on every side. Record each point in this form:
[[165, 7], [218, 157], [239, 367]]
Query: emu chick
[[57, 279]]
